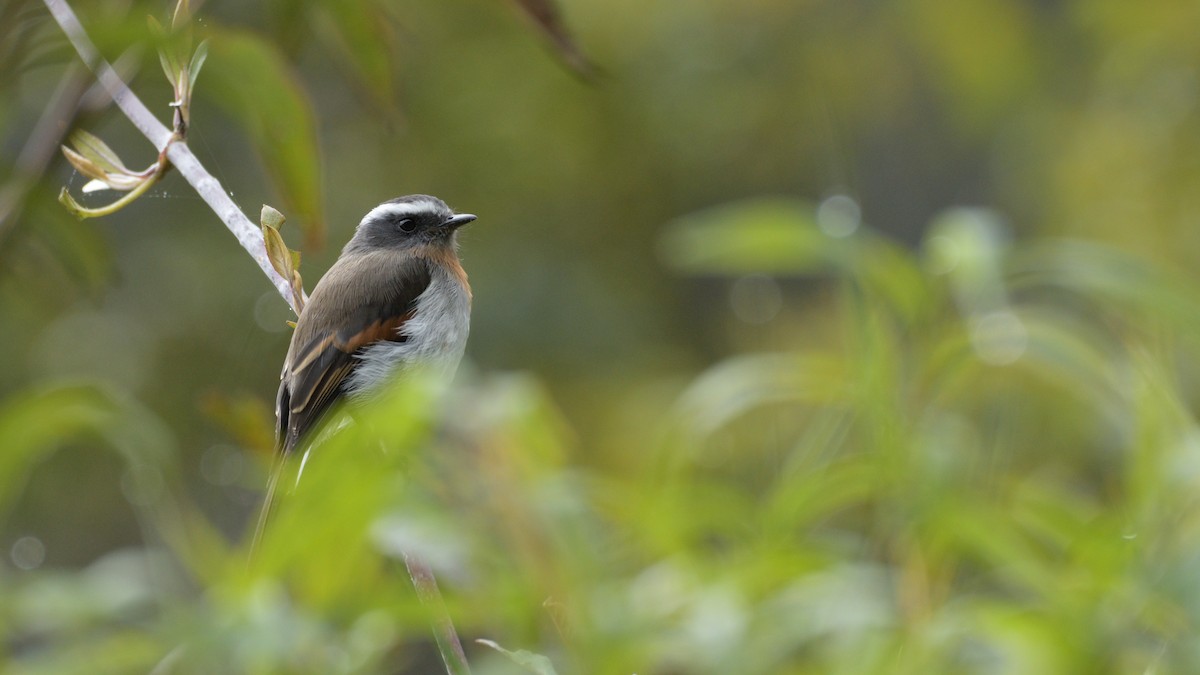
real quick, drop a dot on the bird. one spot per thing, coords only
(397, 298)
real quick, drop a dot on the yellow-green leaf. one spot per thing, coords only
(89, 145)
(75, 208)
(197, 63)
(277, 252)
(271, 217)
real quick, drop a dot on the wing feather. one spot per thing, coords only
(374, 298)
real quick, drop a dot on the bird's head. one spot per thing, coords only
(408, 222)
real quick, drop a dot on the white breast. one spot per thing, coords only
(437, 337)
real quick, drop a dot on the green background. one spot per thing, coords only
(810, 336)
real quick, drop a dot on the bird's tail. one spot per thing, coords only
(268, 503)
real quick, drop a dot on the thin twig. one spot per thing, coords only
(443, 627)
(208, 187)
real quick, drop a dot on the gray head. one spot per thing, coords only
(405, 222)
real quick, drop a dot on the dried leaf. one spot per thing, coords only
(84, 165)
(297, 285)
(277, 252)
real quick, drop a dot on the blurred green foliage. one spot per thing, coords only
(810, 337)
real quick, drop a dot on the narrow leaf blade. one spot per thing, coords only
(89, 145)
(277, 252)
(197, 63)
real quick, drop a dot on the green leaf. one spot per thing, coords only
(764, 235)
(34, 423)
(90, 146)
(737, 385)
(166, 51)
(75, 208)
(534, 663)
(197, 63)
(271, 217)
(181, 15)
(255, 86)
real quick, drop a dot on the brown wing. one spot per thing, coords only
(374, 297)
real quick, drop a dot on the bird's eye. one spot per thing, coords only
(408, 225)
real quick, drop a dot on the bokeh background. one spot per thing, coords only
(810, 336)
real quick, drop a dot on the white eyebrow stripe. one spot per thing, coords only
(399, 210)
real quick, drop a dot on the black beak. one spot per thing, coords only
(455, 222)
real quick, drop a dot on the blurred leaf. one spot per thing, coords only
(777, 236)
(181, 15)
(1122, 284)
(969, 246)
(82, 251)
(34, 423)
(253, 84)
(329, 497)
(743, 383)
(534, 663)
(167, 49)
(783, 236)
(246, 418)
(545, 14)
(438, 544)
(360, 33)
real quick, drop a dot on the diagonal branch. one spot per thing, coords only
(208, 187)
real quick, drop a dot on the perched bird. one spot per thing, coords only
(396, 298)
